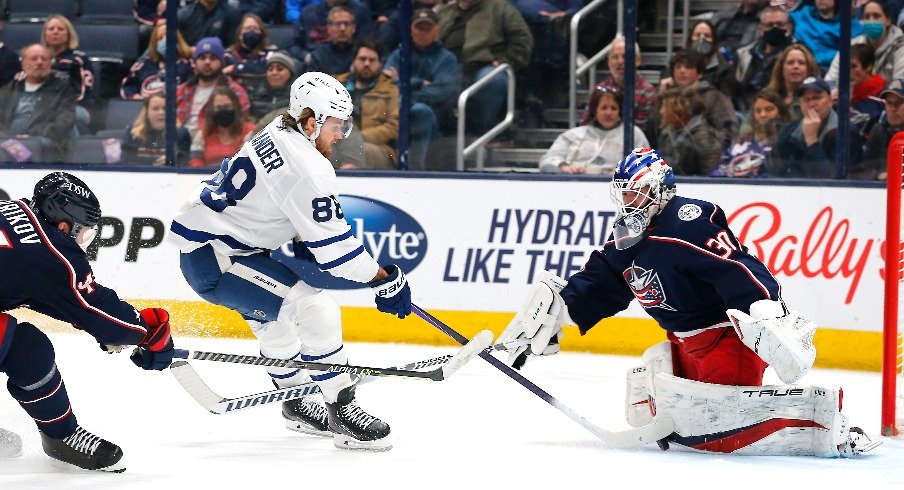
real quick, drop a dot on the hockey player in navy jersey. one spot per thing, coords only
(724, 318)
(281, 187)
(45, 269)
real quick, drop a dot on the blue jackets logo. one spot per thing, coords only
(390, 234)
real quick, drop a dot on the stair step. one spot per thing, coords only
(516, 155)
(537, 137)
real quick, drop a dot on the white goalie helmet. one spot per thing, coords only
(642, 185)
(325, 96)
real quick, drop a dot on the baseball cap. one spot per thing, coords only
(814, 83)
(424, 15)
(894, 87)
(211, 45)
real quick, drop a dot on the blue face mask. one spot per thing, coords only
(873, 30)
(161, 47)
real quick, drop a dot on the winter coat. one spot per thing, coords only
(889, 56)
(494, 31)
(590, 146)
(793, 158)
(377, 114)
(692, 150)
(54, 111)
(438, 65)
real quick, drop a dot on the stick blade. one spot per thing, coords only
(192, 383)
(472, 349)
(661, 427)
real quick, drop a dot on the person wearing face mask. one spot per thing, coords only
(886, 38)
(246, 59)
(192, 95)
(702, 41)
(148, 74)
(754, 61)
(222, 131)
(595, 147)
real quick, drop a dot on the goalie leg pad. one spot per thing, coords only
(639, 409)
(777, 420)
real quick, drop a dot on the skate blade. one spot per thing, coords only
(117, 467)
(873, 444)
(342, 441)
(306, 429)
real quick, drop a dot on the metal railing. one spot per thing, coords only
(479, 143)
(573, 70)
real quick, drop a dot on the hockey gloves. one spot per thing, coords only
(539, 321)
(392, 293)
(155, 352)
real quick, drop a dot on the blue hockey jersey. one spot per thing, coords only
(688, 270)
(45, 270)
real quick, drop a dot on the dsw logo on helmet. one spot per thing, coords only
(391, 235)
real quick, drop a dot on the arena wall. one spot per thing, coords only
(472, 244)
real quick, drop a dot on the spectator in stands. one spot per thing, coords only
(686, 140)
(435, 81)
(703, 40)
(376, 100)
(806, 146)
(59, 36)
(246, 59)
(223, 129)
(866, 106)
(388, 33)
(548, 22)
(312, 26)
(687, 68)
(754, 61)
(750, 154)
(147, 74)
(875, 157)
(817, 26)
(9, 64)
(294, 8)
(335, 56)
(269, 11)
(273, 94)
(484, 34)
(881, 34)
(144, 141)
(41, 104)
(737, 26)
(593, 148)
(147, 12)
(192, 95)
(208, 18)
(644, 91)
(793, 66)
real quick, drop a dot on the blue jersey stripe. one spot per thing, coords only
(204, 237)
(341, 260)
(317, 358)
(328, 241)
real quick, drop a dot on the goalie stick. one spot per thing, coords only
(470, 350)
(217, 404)
(660, 428)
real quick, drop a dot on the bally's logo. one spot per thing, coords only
(391, 236)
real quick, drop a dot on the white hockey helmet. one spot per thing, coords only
(325, 96)
(642, 185)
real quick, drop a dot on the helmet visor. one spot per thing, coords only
(632, 200)
(336, 125)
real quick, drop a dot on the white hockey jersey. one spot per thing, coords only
(278, 186)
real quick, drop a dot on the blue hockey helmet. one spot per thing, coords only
(642, 185)
(62, 197)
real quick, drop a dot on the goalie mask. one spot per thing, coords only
(64, 197)
(642, 185)
(326, 97)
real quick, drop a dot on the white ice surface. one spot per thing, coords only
(478, 429)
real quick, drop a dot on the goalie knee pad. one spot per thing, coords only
(639, 391)
(780, 420)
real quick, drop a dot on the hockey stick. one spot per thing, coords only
(470, 350)
(660, 428)
(214, 403)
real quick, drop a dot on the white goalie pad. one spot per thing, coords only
(639, 407)
(784, 341)
(540, 319)
(761, 420)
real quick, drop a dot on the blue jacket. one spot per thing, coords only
(312, 26)
(820, 35)
(332, 58)
(436, 64)
(793, 158)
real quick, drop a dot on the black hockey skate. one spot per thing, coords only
(85, 450)
(306, 415)
(353, 428)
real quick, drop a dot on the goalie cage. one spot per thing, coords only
(893, 328)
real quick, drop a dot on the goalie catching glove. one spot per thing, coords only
(540, 319)
(784, 340)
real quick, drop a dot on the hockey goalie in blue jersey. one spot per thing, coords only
(724, 318)
(44, 268)
(278, 188)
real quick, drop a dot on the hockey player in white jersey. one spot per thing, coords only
(281, 187)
